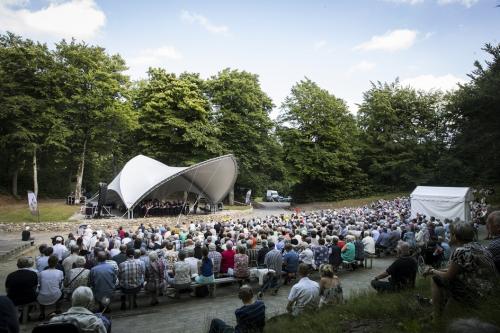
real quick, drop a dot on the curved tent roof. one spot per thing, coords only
(143, 177)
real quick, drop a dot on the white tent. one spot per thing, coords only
(441, 202)
(144, 178)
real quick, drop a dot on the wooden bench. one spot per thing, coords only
(212, 286)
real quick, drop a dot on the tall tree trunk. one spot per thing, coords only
(14, 182)
(79, 174)
(35, 174)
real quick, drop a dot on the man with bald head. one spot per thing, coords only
(493, 226)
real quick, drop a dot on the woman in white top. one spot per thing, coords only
(50, 292)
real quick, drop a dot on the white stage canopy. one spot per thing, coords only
(442, 202)
(145, 178)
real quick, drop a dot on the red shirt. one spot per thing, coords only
(341, 244)
(227, 260)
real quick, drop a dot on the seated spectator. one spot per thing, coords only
(42, 261)
(8, 316)
(409, 237)
(206, 268)
(493, 226)
(68, 262)
(180, 278)
(170, 256)
(383, 242)
(250, 318)
(349, 250)
(241, 270)
(154, 277)
(102, 279)
(81, 300)
(261, 255)
(335, 258)
(78, 276)
(26, 236)
(122, 256)
(304, 295)
(227, 258)
(470, 275)
(131, 276)
(51, 280)
(307, 255)
(290, 263)
(21, 285)
(59, 249)
(274, 261)
(368, 243)
(192, 262)
(216, 258)
(401, 272)
(320, 253)
(394, 237)
(330, 289)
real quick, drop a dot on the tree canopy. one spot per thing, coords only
(70, 117)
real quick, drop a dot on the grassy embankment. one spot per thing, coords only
(17, 211)
(369, 312)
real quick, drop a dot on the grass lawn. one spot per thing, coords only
(386, 313)
(351, 202)
(50, 211)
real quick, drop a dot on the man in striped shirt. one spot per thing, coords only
(274, 261)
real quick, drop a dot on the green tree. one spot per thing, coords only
(319, 138)
(175, 121)
(474, 113)
(92, 98)
(403, 135)
(245, 128)
(29, 122)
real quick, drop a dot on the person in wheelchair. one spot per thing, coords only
(81, 302)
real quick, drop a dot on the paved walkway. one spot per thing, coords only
(191, 314)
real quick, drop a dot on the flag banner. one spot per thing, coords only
(32, 203)
(247, 197)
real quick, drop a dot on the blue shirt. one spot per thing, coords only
(291, 261)
(102, 280)
(250, 318)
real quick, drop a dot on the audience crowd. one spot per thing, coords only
(167, 260)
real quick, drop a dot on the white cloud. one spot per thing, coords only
(363, 66)
(409, 2)
(204, 22)
(466, 3)
(390, 41)
(81, 19)
(430, 82)
(320, 44)
(159, 57)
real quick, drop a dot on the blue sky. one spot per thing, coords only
(342, 45)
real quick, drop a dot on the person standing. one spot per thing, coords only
(274, 261)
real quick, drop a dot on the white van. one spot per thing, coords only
(272, 195)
